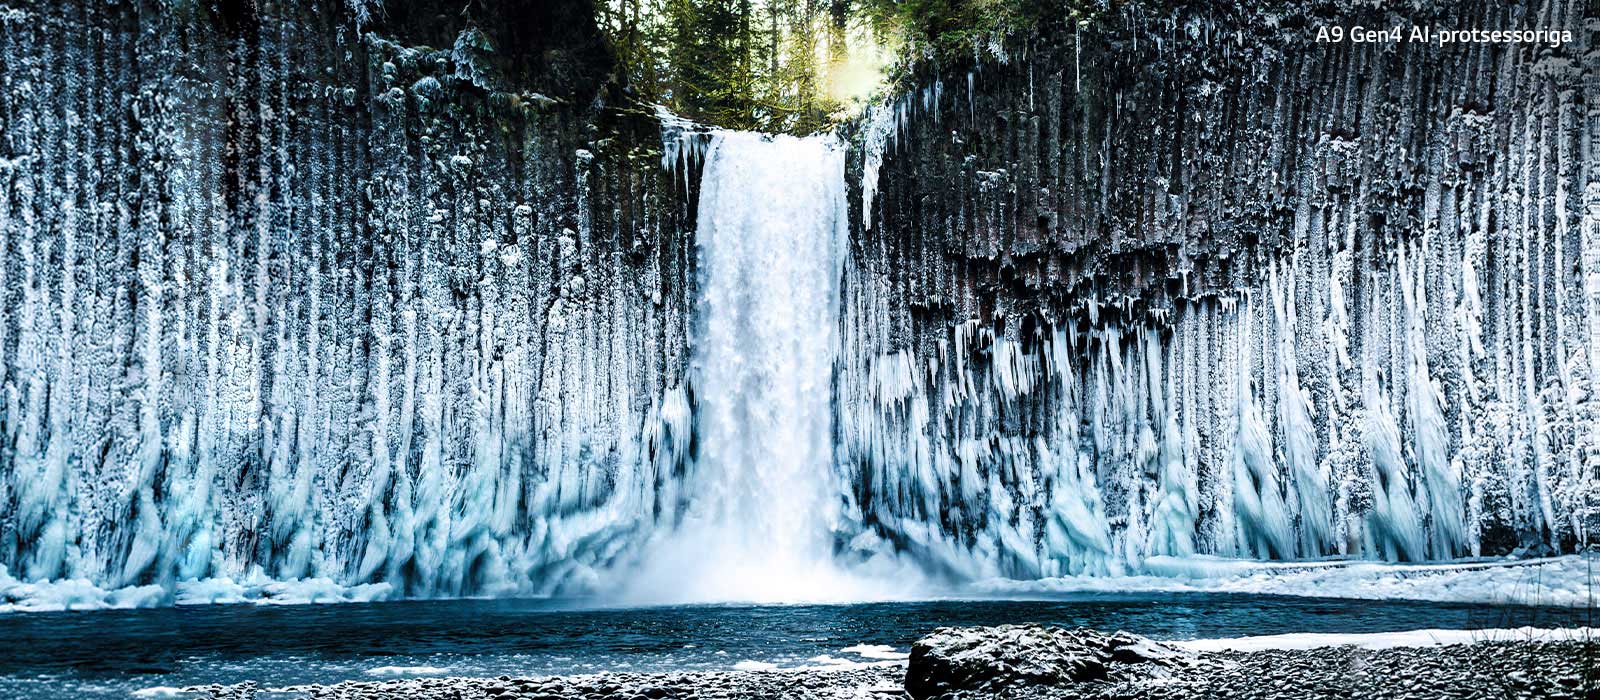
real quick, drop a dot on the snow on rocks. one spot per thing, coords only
(1128, 667)
(994, 658)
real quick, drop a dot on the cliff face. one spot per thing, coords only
(283, 291)
(1188, 281)
(287, 293)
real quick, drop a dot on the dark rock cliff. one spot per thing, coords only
(1185, 279)
(296, 287)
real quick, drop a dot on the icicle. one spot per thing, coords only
(1309, 483)
(1430, 438)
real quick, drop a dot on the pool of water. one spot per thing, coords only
(118, 653)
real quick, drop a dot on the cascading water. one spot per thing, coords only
(772, 231)
(771, 228)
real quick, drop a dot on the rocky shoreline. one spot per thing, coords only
(1037, 663)
(883, 680)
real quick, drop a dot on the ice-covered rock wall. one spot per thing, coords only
(392, 295)
(285, 295)
(1167, 282)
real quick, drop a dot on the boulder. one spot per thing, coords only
(989, 659)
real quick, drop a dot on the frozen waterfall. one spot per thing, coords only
(395, 329)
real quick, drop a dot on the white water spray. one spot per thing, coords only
(772, 231)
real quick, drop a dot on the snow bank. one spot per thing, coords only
(81, 594)
(257, 589)
(1389, 640)
(1569, 581)
(72, 594)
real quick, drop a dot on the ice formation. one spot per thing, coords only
(379, 350)
(1255, 314)
(394, 329)
(1567, 581)
(1391, 640)
(1167, 439)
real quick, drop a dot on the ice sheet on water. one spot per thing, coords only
(1390, 640)
(1568, 581)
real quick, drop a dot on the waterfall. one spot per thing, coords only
(771, 228)
(771, 236)
(302, 341)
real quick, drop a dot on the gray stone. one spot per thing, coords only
(992, 658)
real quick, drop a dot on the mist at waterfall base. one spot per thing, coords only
(760, 523)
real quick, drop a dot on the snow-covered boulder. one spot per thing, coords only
(988, 659)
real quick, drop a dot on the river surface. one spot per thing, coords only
(149, 652)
